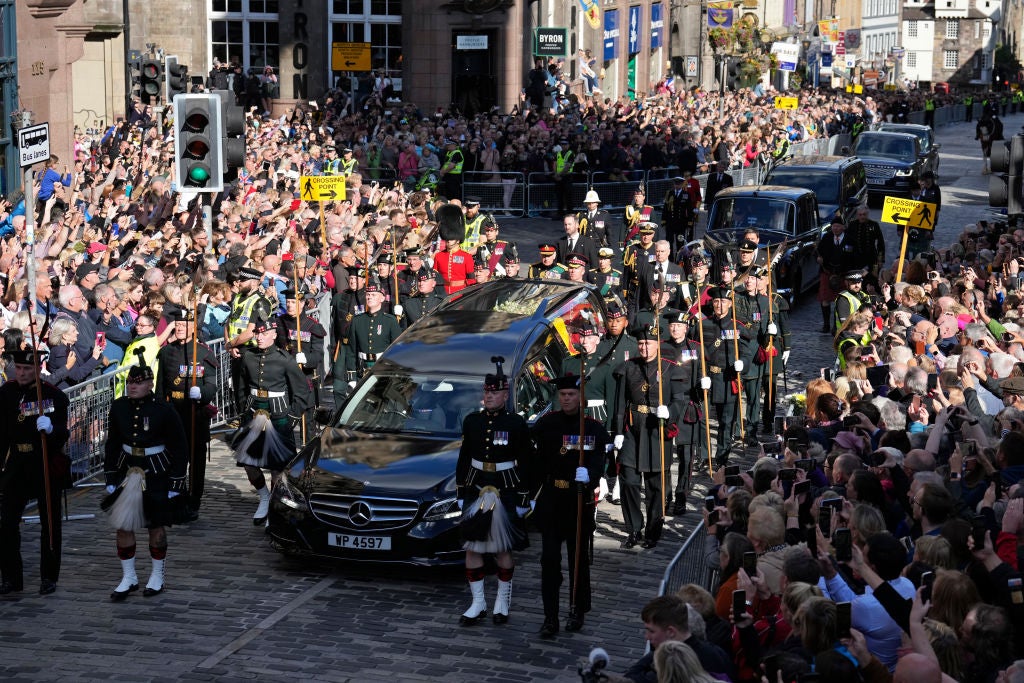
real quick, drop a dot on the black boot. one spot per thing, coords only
(549, 628)
(575, 621)
(826, 322)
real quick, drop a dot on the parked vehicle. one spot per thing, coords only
(787, 220)
(892, 162)
(925, 137)
(378, 485)
(838, 182)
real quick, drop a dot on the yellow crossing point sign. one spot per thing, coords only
(787, 102)
(322, 188)
(350, 56)
(909, 213)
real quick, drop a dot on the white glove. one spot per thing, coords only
(662, 413)
(44, 424)
(352, 384)
(460, 502)
(111, 488)
(785, 357)
(173, 494)
(617, 441)
(300, 358)
(773, 329)
(705, 383)
(398, 309)
(738, 366)
(522, 511)
(582, 475)
(195, 393)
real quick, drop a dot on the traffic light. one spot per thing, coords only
(151, 81)
(1004, 185)
(198, 144)
(732, 79)
(233, 130)
(135, 78)
(176, 76)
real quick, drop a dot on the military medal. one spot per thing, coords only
(145, 424)
(500, 439)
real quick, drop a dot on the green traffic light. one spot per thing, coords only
(197, 174)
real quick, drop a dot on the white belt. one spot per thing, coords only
(260, 393)
(492, 466)
(595, 403)
(138, 451)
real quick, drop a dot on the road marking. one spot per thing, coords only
(265, 625)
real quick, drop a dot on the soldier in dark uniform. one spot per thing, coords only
(344, 307)
(191, 399)
(588, 362)
(22, 478)
(371, 332)
(409, 277)
(145, 433)
(780, 336)
(677, 214)
(492, 467)
(303, 339)
(607, 279)
(562, 484)
(693, 294)
(492, 248)
(548, 266)
(648, 402)
(425, 299)
(747, 260)
(752, 314)
(509, 266)
(636, 259)
(723, 366)
(689, 439)
(277, 393)
(617, 347)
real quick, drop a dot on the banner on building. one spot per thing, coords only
(720, 14)
(611, 33)
(828, 30)
(592, 12)
(657, 25)
(634, 30)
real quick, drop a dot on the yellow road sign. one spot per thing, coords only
(787, 102)
(322, 188)
(909, 213)
(856, 89)
(350, 56)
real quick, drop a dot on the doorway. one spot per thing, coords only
(474, 85)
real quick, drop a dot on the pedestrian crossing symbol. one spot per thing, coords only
(909, 213)
(322, 188)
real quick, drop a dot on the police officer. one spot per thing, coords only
(850, 299)
(22, 477)
(146, 341)
(648, 400)
(371, 332)
(145, 433)
(474, 224)
(689, 438)
(565, 484)
(595, 223)
(277, 393)
(348, 162)
(332, 164)
(724, 367)
(493, 464)
(190, 387)
(451, 170)
(425, 299)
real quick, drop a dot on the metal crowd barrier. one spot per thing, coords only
(688, 566)
(507, 195)
(90, 409)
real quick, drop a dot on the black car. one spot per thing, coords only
(838, 183)
(892, 162)
(926, 140)
(786, 219)
(378, 484)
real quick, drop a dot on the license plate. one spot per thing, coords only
(359, 542)
(875, 181)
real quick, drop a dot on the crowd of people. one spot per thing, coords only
(305, 297)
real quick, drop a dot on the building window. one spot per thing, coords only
(912, 60)
(378, 22)
(986, 30)
(912, 29)
(986, 60)
(977, 30)
(245, 32)
(952, 28)
(950, 59)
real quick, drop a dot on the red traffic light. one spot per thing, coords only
(196, 120)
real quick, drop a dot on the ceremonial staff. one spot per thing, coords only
(298, 335)
(771, 337)
(580, 488)
(739, 379)
(703, 374)
(42, 435)
(661, 390)
(191, 403)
